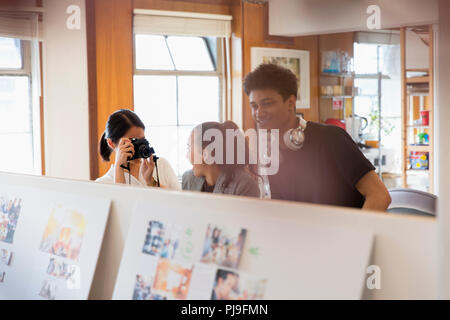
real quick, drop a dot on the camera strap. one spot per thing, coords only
(157, 172)
(128, 169)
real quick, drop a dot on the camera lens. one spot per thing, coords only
(145, 151)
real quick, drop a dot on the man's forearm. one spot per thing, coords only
(377, 202)
(375, 192)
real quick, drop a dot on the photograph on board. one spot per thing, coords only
(168, 241)
(162, 239)
(48, 290)
(9, 216)
(143, 289)
(61, 269)
(172, 279)
(232, 285)
(6, 257)
(64, 233)
(223, 246)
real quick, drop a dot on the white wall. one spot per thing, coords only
(443, 118)
(417, 53)
(306, 17)
(65, 93)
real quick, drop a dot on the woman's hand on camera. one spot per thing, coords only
(125, 151)
(146, 171)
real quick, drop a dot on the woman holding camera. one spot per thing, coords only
(122, 128)
(227, 178)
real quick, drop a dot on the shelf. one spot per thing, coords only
(367, 95)
(418, 172)
(416, 82)
(337, 75)
(371, 76)
(424, 79)
(343, 97)
(391, 175)
(418, 126)
(426, 148)
(418, 70)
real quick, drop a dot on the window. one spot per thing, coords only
(177, 85)
(371, 59)
(18, 140)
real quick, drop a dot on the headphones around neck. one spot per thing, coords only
(294, 138)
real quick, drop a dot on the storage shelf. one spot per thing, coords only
(418, 70)
(337, 75)
(371, 76)
(418, 94)
(418, 171)
(424, 79)
(425, 148)
(329, 97)
(417, 82)
(418, 126)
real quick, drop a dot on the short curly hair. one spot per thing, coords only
(271, 76)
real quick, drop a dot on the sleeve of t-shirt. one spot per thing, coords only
(348, 158)
(248, 188)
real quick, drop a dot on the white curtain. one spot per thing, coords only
(176, 23)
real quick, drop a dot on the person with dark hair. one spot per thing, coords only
(122, 126)
(328, 168)
(219, 176)
(224, 284)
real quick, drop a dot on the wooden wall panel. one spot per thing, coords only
(113, 67)
(253, 36)
(220, 7)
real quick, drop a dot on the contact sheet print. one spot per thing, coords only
(49, 243)
(166, 260)
(9, 217)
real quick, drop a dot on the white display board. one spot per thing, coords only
(405, 246)
(49, 243)
(173, 254)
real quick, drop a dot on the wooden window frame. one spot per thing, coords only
(26, 71)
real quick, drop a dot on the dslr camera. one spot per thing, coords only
(142, 149)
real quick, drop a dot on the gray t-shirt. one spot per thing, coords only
(241, 184)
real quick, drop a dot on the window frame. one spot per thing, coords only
(35, 123)
(219, 72)
(25, 54)
(370, 76)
